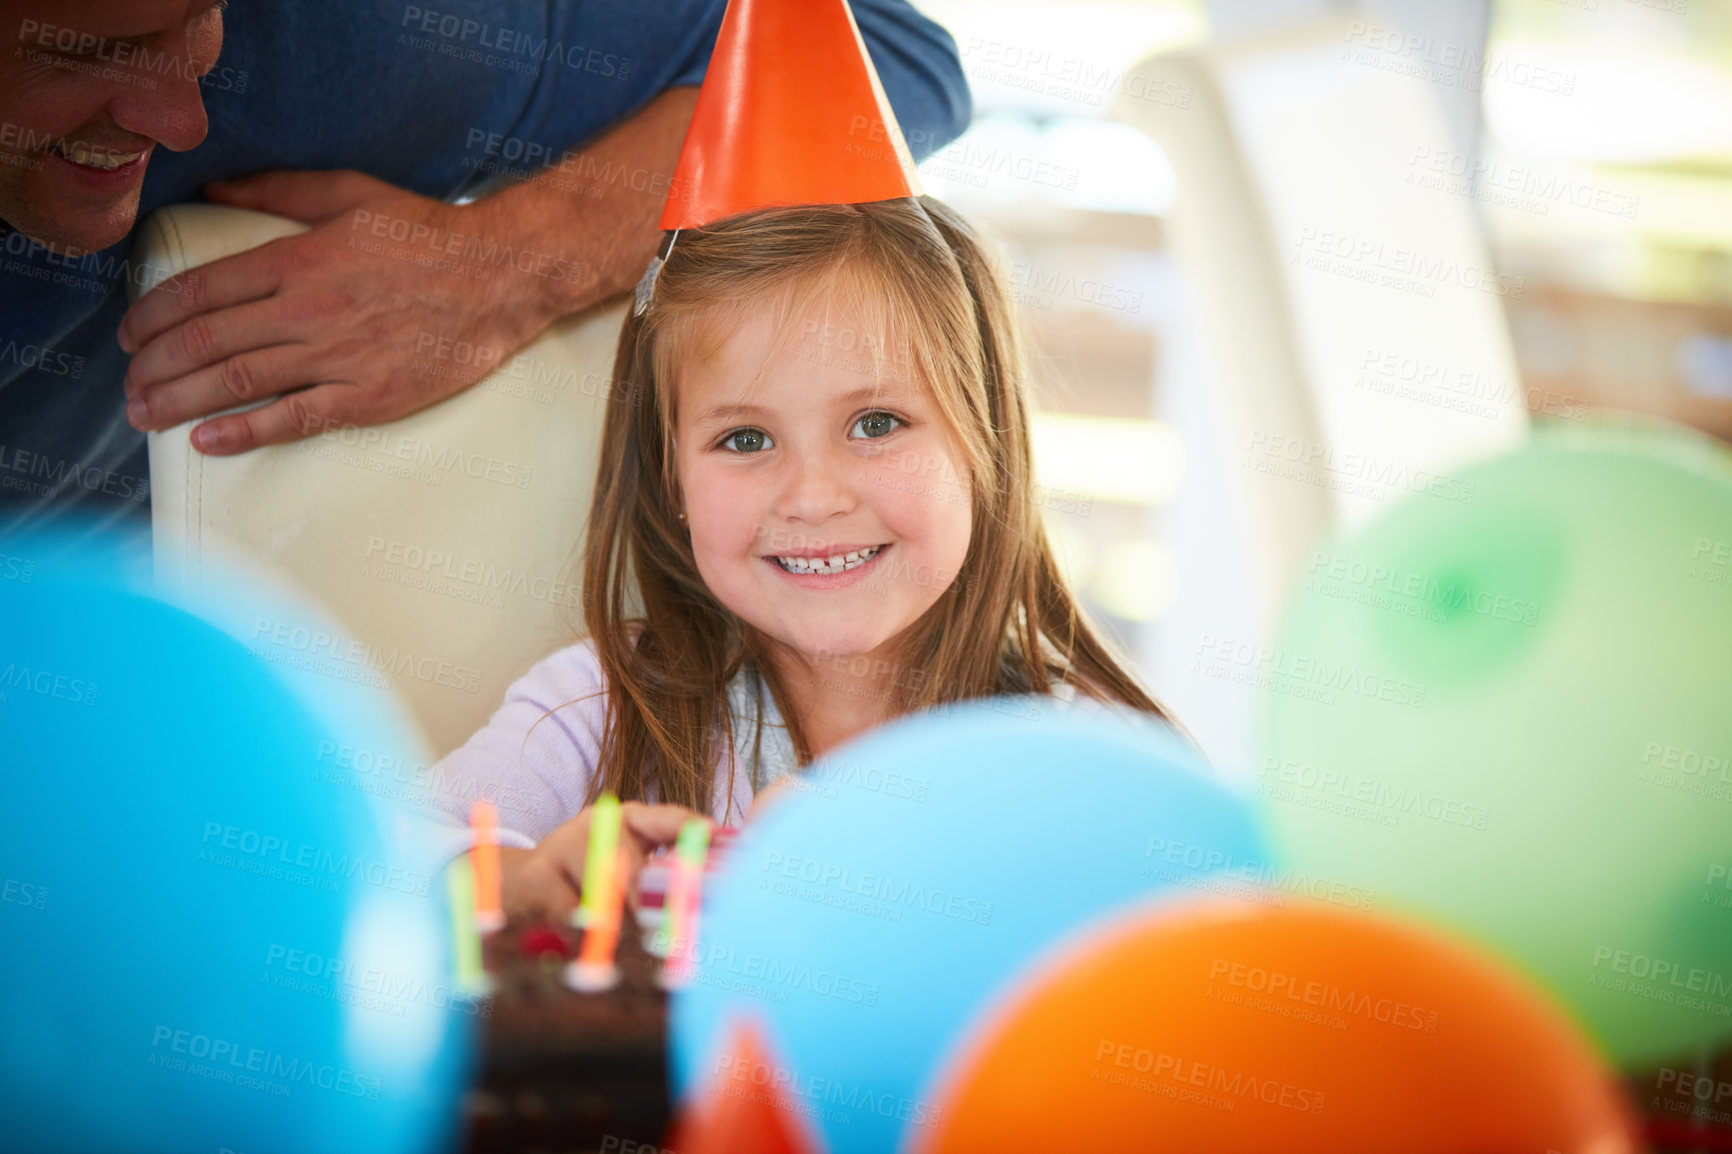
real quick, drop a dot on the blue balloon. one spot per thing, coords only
(211, 939)
(865, 919)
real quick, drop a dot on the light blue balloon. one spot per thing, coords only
(207, 944)
(864, 920)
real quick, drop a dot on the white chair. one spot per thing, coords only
(1349, 317)
(444, 543)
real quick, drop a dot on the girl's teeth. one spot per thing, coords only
(840, 563)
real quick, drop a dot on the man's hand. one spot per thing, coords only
(392, 301)
(336, 323)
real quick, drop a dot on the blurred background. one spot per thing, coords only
(1581, 149)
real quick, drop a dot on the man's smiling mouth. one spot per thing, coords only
(101, 159)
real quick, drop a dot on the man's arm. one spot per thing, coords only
(337, 322)
(918, 63)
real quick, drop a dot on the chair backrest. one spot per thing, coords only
(443, 542)
(1346, 312)
(1347, 298)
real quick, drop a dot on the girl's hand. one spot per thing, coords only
(544, 882)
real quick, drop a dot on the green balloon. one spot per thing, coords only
(1512, 714)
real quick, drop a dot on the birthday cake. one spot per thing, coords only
(569, 1067)
(563, 1070)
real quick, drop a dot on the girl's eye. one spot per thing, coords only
(877, 424)
(747, 440)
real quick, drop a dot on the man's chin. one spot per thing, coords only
(69, 223)
(92, 231)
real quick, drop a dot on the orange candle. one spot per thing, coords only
(484, 853)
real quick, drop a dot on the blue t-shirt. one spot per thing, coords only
(440, 97)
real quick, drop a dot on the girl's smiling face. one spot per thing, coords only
(828, 506)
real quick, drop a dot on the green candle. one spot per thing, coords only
(598, 863)
(466, 939)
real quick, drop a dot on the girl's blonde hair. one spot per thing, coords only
(916, 272)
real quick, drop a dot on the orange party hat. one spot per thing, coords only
(791, 112)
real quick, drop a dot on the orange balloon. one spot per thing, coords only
(1211, 1029)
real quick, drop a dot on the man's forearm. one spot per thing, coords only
(596, 208)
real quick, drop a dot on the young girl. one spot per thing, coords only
(814, 513)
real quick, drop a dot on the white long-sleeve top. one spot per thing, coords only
(537, 755)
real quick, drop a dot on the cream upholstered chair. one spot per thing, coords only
(443, 543)
(1346, 310)
(1348, 302)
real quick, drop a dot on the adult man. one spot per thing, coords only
(422, 104)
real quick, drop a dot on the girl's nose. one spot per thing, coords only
(821, 487)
